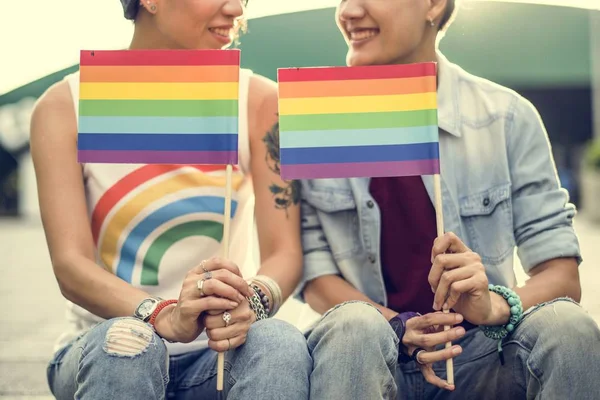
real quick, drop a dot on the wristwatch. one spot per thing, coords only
(146, 307)
(398, 324)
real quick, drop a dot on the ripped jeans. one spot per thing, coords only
(554, 353)
(123, 358)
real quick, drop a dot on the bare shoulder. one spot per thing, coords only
(53, 113)
(262, 95)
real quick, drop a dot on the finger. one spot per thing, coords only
(445, 262)
(429, 320)
(195, 307)
(430, 340)
(435, 380)
(243, 313)
(429, 357)
(216, 263)
(478, 281)
(222, 346)
(215, 287)
(223, 275)
(230, 332)
(447, 279)
(447, 243)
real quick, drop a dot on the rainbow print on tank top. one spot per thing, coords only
(145, 213)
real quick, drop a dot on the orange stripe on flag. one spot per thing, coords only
(359, 87)
(163, 73)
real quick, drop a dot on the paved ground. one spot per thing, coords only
(31, 311)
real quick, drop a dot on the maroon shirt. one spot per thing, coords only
(408, 229)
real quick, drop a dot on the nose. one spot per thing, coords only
(350, 10)
(234, 8)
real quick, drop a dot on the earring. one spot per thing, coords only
(431, 22)
(152, 6)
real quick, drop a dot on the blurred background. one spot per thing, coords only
(546, 51)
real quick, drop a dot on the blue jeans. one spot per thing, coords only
(123, 358)
(554, 353)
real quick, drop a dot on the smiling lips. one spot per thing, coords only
(359, 35)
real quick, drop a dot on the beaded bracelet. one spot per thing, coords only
(256, 306)
(499, 332)
(273, 289)
(264, 299)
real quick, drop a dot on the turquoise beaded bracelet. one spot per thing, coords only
(516, 313)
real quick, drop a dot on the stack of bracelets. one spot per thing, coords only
(259, 302)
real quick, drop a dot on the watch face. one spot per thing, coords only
(145, 307)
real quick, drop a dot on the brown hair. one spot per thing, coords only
(449, 15)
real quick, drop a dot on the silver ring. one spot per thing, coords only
(200, 284)
(226, 318)
(417, 357)
(202, 265)
(207, 275)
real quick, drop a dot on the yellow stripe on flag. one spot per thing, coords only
(357, 104)
(158, 91)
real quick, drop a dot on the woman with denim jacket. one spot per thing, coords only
(133, 246)
(376, 270)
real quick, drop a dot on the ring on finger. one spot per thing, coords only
(415, 355)
(226, 318)
(203, 265)
(208, 275)
(200, 284)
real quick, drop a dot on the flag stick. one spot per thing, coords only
(226, 223)
(439, 217)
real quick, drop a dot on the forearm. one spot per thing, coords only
(551, 280)
(328, 291)
(88, 285)
(285, 268)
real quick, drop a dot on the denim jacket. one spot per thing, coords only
(500, 190)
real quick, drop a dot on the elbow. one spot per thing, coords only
(309, 293)
(575, 290)
(63, 271)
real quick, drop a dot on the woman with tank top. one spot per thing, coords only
(134, 247)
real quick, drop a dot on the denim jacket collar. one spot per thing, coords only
(448, 105)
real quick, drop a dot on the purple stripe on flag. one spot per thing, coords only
(356, 170)
(158, 157)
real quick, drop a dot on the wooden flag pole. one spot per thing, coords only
(439, 217)
(226, 224)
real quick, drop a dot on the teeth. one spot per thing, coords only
(221, 31)
(364, 34)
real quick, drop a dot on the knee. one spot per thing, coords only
(276, 334)
(358, 321)
(131, 338)
(563, 323)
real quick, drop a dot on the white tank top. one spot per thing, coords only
(152, 223)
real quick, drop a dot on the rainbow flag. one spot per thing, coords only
(368, 121)
(159, 106)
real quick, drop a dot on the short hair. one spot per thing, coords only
(449, 15)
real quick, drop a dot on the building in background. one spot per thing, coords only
(546, 53)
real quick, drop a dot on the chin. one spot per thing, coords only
(354, 59)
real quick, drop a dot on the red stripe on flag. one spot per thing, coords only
(160, 57)
(362, 72)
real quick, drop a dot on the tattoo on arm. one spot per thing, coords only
(287, 194)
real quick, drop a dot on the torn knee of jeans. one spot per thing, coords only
(128, 337)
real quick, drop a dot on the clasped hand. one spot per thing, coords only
(223, 289)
